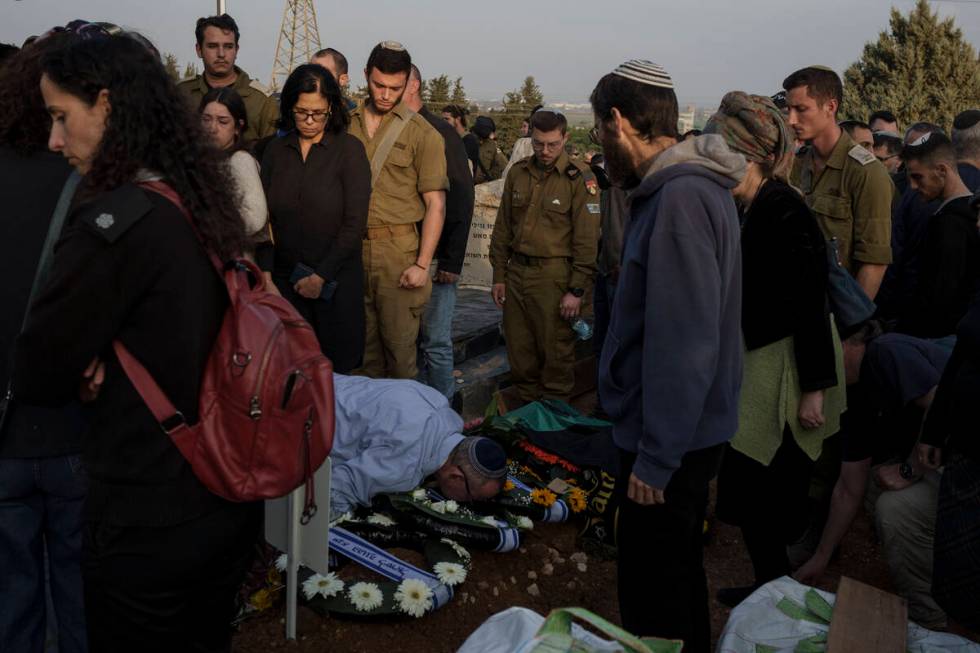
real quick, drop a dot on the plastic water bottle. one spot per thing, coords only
(582, 329)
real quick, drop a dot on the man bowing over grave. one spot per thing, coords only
(392, 435)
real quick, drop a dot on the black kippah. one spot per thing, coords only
(966, 119)
(486, 456)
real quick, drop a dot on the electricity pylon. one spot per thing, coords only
(299, 39)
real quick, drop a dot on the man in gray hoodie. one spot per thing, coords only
(671, 367)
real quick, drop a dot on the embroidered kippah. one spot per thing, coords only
(392, 45)
(644, 72)
(921, 140)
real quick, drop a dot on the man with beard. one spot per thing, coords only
(543, 253)
(671, 365)
(217, 46)
(844, 185)
(408, 187)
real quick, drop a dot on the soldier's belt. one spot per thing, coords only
(537, 261)
(389, 231)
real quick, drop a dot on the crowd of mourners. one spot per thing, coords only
(783, 301)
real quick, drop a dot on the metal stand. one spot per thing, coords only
(304, 544)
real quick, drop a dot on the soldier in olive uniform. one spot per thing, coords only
(543, 252)
(491, 163)
(844, 185)
(217, 46)
(405, 217)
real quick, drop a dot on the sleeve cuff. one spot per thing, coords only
(652, 473)
(429, 184)
(872, 254)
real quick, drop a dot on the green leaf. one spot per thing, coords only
(818, 605)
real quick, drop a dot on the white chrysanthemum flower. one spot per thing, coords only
(525, 523)
(490, 521)
(420, 494)
(325, 586)
(347, 516)
(451, 506)
(439, 507)
(450, 573)
(460, 551)
(365, 596)
(380, 520)
(414, 597)
(282, 562)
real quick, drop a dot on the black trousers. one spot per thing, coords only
(768, 502)
(170, 588)
(339, 323)
(663, 591)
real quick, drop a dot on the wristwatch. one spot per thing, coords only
(578, 292)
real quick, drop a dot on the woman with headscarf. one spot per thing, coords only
(793, 384)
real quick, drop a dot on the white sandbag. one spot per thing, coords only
(757, 620)
(513, 629)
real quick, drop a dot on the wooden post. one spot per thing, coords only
(867, 619)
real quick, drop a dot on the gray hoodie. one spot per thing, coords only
(671, 366)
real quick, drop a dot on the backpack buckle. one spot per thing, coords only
(173, 423)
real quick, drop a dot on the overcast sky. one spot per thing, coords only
(708, 46)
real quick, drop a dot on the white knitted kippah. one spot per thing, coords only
(645, 72)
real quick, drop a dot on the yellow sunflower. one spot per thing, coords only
(543, 497)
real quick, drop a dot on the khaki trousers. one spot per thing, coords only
(906, 524)
(392, 314)
(540, 344)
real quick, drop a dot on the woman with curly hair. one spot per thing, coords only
(162, 556)
(42, 481)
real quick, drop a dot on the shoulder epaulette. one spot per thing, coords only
(115, 213)
(861, 155)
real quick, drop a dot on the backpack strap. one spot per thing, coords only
(384, 147)
(167, 191)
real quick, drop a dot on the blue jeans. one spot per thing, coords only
(436, 369)
(41, 510)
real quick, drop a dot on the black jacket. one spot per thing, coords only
(128, 267)
(459, 198)
(29, 190)
(952, 420)
(949, 271)
(784, 282)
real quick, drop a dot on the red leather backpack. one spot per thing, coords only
(266, 404)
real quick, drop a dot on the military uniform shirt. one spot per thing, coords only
(492, 160)
(548, 213)
(415, 165)
(851, 199)
(262, 111)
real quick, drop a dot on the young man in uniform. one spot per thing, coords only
(408, 187)
(844, 185)
(217, 46)
(336, 63)
(543, 253)
(437, 342)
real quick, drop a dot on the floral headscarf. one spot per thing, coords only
(752, 126)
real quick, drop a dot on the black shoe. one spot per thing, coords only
(732, 596)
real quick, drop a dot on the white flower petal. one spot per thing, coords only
(460, 551)
(365, 596)
(450, 573)
(525, 523)
(420, 494)
(329, 585)
(380, 520)
(282, 562)
(490, 521)
(414, 597)
(451, 506)
(439, 507)
(311, 586)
